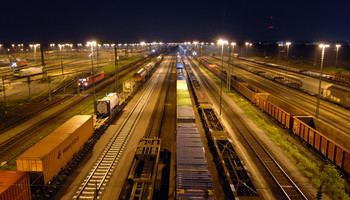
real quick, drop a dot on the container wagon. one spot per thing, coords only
(28, 71)
(49, 155)
(107, 105)
(129, 86)
(14, 185)
(143, 172)
(193, 179)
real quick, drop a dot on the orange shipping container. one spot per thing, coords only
(14, 185)
(53, 152)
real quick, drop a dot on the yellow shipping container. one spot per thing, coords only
(53, 152)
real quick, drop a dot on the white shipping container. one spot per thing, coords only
(107, 104)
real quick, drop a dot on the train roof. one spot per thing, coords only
(47, 144)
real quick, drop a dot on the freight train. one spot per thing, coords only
(237, 184)
(42, 167)
(337, 77)
(193, 180)
(329, 91)
(141, 75)
(28, 72)
(328, 141)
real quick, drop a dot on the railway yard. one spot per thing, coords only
(165, 123)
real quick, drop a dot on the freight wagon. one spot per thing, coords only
(193, 180)
(330, 142)
(278, 109)
(140, 75)
(129, 86)
(107, 105)
(28, 71)
(342, 78)
(141, 180)
(47, 157)
(14, 185)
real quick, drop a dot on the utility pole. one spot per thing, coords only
(43, 60)
(228, 74)
(319, 85)
(28, 81)
(93, 80)
(49, 81)
(4, 90)
(62, 65)
(116, 67)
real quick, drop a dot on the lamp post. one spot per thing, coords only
(222, 43)
(36, 61)
(202, 43)
(323, 46)
(142, 44)
(336, 57)
(92, 44)
(288, 43)
(246, 48)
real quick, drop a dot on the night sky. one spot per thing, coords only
(174, 21)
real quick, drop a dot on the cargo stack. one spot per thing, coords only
(52, 153)
(14, 185)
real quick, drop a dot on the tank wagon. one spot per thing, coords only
(107, 105)
(146, 70)
(47, 157)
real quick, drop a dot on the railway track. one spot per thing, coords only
(300, 100)
(98, 177)
(158, 114)
(30, 132)
(10, 123)
(287, 186)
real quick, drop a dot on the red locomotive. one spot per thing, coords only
(87, 81)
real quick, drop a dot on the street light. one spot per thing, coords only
(336, 57)
(222, 43)
(323, 46)
(92, 44)
(288, 43)
(36, 45)
(142, 44)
